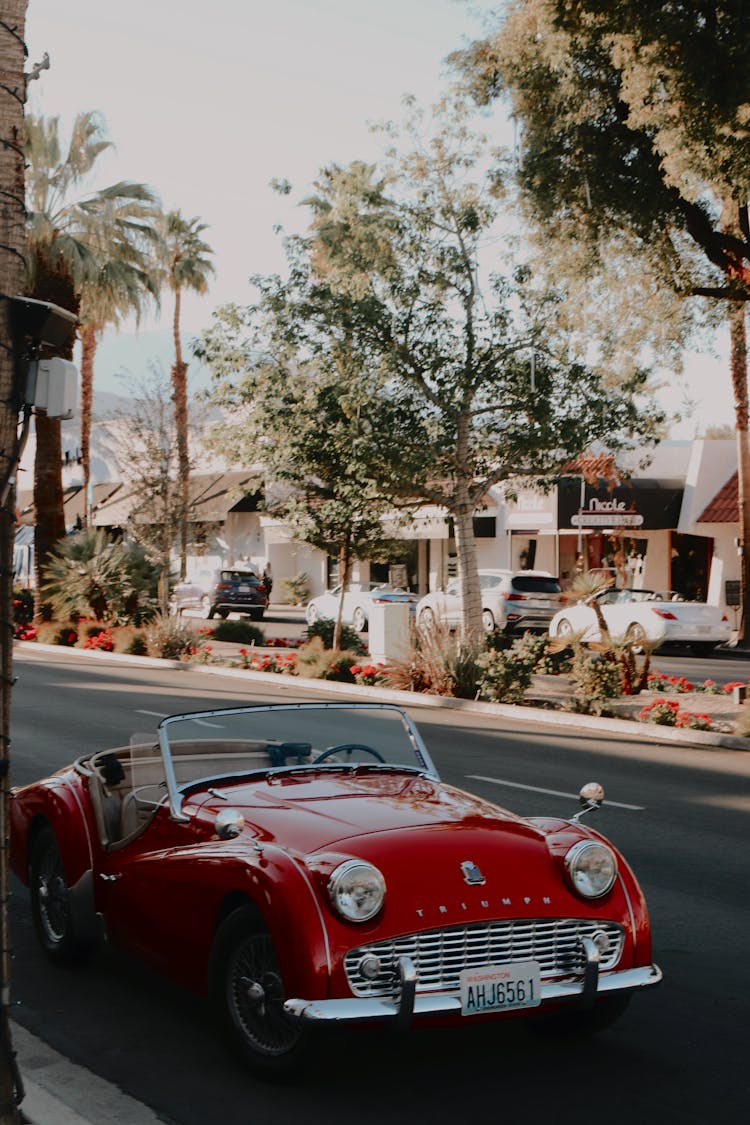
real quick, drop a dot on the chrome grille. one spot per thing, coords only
(441, 955)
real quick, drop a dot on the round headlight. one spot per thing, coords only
(357, 890)
(592, 868)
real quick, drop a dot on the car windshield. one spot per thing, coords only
(208, 745)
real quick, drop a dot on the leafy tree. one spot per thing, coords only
(310, 410)
(90, 573)
(71, 240)
(186, 265)
(635, 142)
(480, 362)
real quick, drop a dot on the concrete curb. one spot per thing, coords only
(650, 732)
(58, 1092)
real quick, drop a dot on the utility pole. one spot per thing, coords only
(12, 282)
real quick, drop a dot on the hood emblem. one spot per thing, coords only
(472, 875)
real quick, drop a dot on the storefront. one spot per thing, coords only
(627, 531)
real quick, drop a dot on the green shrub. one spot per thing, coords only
(23, 606)
(595, 680)
(534, 649)
(137, 645)
(91, 575)
(295, 590)
(504, 677)
(243, 632)
(324, 628)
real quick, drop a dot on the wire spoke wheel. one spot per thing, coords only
(50, 903)
(249, 993)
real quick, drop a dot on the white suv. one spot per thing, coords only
(513, 601)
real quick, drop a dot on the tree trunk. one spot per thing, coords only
(344, 563)
(88, 354)
(12, 242)
(468, 576)
(48, 496)
(53, 286)
(179, 398)
(738, 362)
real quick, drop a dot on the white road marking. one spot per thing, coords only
(164, 715)
(549, 792)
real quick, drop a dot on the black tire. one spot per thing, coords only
(50, 903)
(636, 636)
(427, 619)
(581, 1024)
(223, 614)
(247, 995)
(703, 648)
(359, 620)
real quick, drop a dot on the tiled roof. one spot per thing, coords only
(725, 506)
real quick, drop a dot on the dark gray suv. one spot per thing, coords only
(238, 591)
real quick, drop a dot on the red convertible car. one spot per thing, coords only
(304, 865)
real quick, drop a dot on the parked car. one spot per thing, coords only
(642, 616)
(238, 591)
(195, 592)
(304, 865)
(358, 598)
(511, 601)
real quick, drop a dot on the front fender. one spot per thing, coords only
(59, 801)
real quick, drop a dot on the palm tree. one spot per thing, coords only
(127, 277)
(67, 237)
(186, 265)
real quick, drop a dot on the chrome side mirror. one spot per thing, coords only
(228, 824)
(591, 797)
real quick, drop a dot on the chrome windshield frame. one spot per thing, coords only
(175, 790)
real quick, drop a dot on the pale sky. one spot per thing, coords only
(210, 102)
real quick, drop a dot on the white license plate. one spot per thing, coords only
(500, 988)
(244, 589)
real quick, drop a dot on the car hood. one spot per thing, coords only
(447, 856)
(307, 814)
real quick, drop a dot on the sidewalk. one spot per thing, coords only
(57, 1092)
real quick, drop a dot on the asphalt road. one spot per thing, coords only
(678, 1055)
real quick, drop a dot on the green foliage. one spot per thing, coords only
(395, 375)
(295, 590)
(137, 646)
(504, 676)
(324, 629)
(595, 680)
(23, 606)
(93, 575)
(320, 663)
(240, 631)
(534, 649)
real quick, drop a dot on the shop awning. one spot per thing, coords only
(725, 506)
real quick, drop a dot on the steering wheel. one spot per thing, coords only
(348, 748)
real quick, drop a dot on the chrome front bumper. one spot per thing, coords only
(400, 1010)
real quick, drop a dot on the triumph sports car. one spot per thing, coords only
(303, 865)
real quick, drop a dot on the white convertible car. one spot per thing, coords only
(645, 616)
